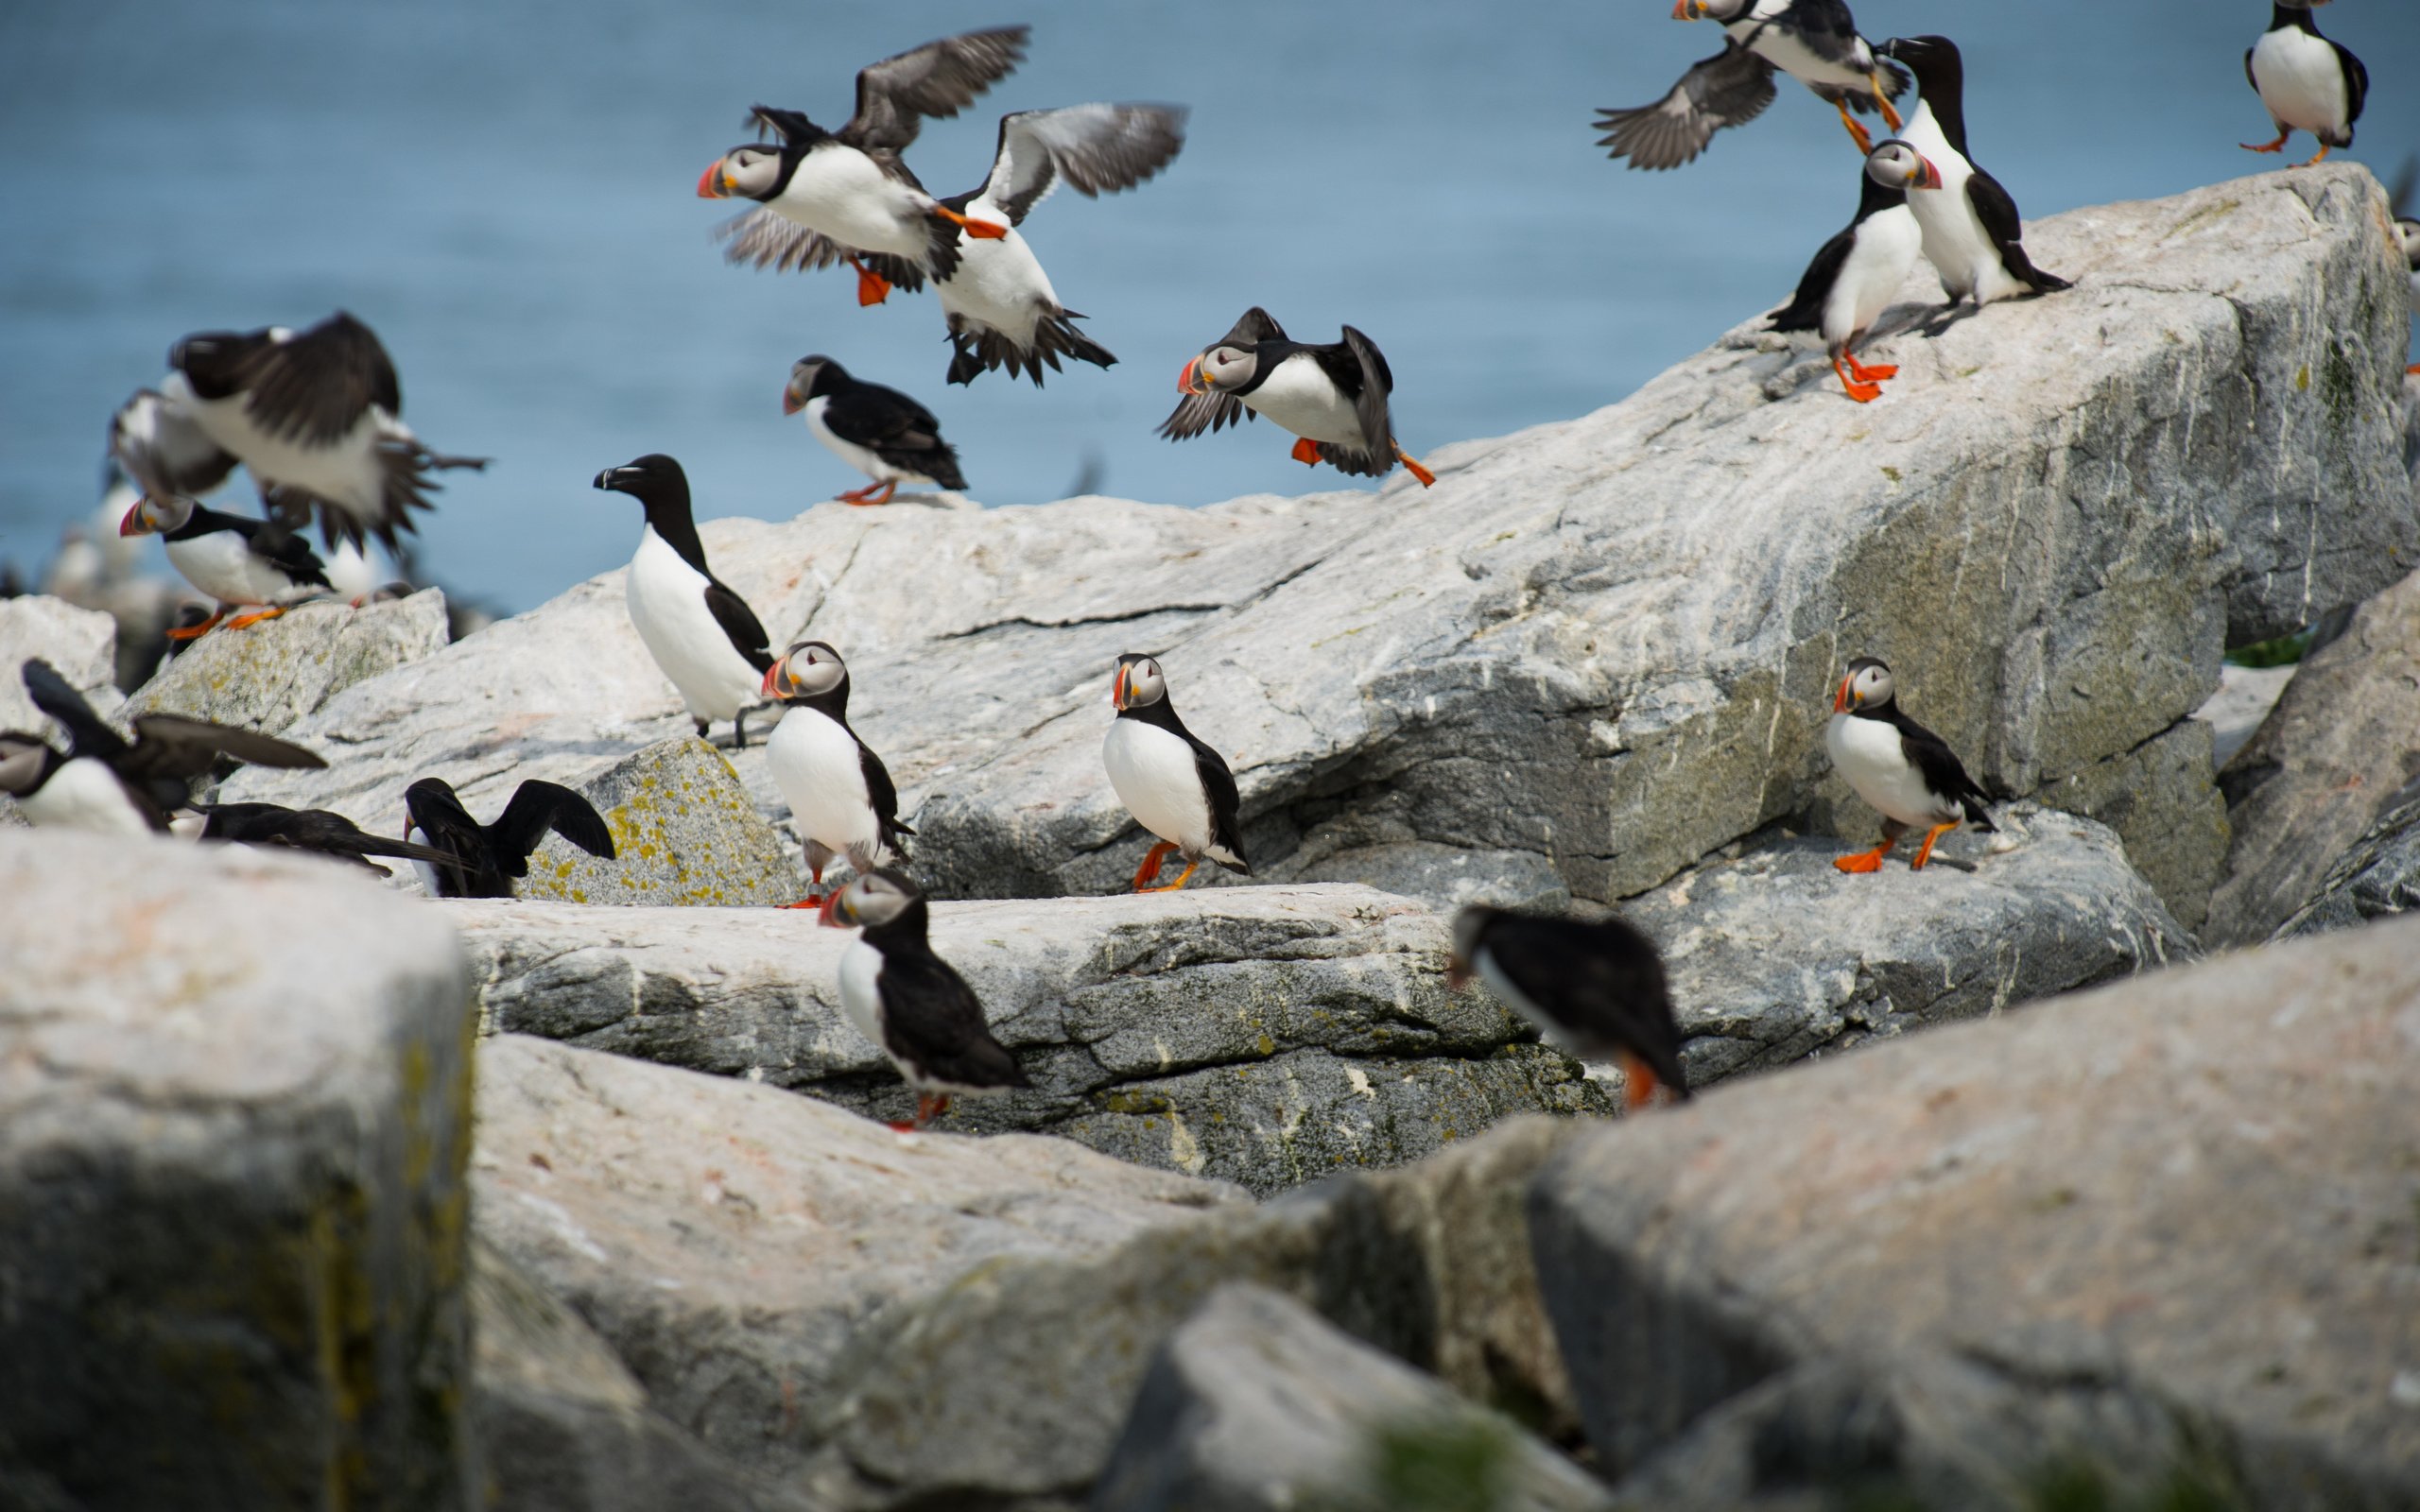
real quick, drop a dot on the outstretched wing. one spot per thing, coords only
(163, 450)
(1729, 89)
(938, 79)
(88, 734)
(763, 238)
(312, 388)
(538, 807)
(174, 747)
(1377, 429)
(1096, 148)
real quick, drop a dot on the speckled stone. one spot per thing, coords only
(271, 675)
(685, 835)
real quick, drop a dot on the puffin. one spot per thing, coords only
(881, 431)
(1594, 988)
(1002, 310)
(239, 563)
(317, 830)
(1899, 765)
(912, 1005)
(840, 794)
(704, 637)
(2308, 82)
(2407, 231)
(1850, 282)
(163, 450)
(467, 859)
(826, 197)
(1174, 784)
(114, 785)
(1815, 41)
(317, 417)
(1333, 397)
(1973, 235)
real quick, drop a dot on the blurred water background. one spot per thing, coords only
(505, 190)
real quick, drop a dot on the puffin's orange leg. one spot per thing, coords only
(980, 230)
(1306, 452)
(1869, 860)
(1889, 116)
(2409, 371)
(1881, 372)
(873, 288)
(930, 1106)
(187, 632)
(854, 495)
(2278, 145)
(1864, 393)
(1864, 139)
(1930, 836)
(1181, 878)
(872, 495)
(2314, 163)
(1638, 1083)
(253, 618)
(1149, 870)
(1428, 479)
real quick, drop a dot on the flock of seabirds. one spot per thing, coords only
(315, 418)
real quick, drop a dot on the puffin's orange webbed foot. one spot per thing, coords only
(187, 632)
(1181, 878)
(2278, 145)
(1428, 479)
(240, 621)
(1306, 452)
(1149, 870)
(2315, 162)
(980, 230)
(1864, 860)
(1881, 372)
(873, 288)
(1864, 393)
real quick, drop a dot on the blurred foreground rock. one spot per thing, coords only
(80, 643)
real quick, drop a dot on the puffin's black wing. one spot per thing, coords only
(536, 808)
(467, 865)
(315, 829)
(291, 553)
(1097, 148)
(1213, 410)
(173, 746)
(1732, 87)
(1371, 383)
(1600, 981)
(896, 428)
(761, 238)
(1997, 212)
(881, 794)
(88, 733)
(312, 388)
(2356, 82)
(938, 79)
(2249, 76)
(739, 622)
(163, 450)
(1943, 772)
(1804, 311)
(934, 1023)
(1226, 804)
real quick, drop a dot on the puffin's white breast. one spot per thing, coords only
(864, 459)
(1300, 396)
(85, 795)
(1870, 754)
(1879, 260)
(2302, 81)
(1156, 777)
(999, 284)
(222, 566)
(841, 192)
(667, 604)
(816, 764)
(861, 997)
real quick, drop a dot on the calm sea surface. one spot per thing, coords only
(504, 189)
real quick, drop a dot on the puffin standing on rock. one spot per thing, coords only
(704, 636)
(1172, 784)
(241, 563)
(1597, 989)
(1899, 765)
(1815, 41)
(1973, 235)
(840, 794)
(1333, 396)
(1852, 278)
(881, 431)
(467, 859)
(912, 1005)
(2306, 82)
(846, 195)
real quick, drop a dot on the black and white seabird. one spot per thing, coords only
(472, 859)
(703, 635)
(1850, 282)
(1333, 396)
(881, 431)
(2308, 82)
(1001, 307)
(1973, 235)
(2407, 231)
(163, 447)
(1899, 765)
(841, 800)
(826, 197)
(114, 785)
(317, 830)
(912, 1005)
(1174, 784)
(317, 417)
(242, 564)
(1815, 41)
(1594, 988)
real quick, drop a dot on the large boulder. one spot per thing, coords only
(1599, 650)
(2323, 768)
(234, 1122)
(271, 675)
(2376, 877)
(80, 643)
(2192, 1199)
(685, 835)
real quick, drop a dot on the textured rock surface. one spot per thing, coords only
(2342, 740)
(730, 1241)
(1603, 648)
(1256, 1404)
(271, 675)
(2378, 877)
(2209, 1177)
(685, 835)
(80, 643)
(234, 1117)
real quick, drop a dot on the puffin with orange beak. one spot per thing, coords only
(912, 1005)
(1333, 396)
(1815, 41)
(842, 802)
(1174, 784)
(829, 197)
(881, 431)
(1853, 276)
(1899, 765)
(1596, 989)
(242, 564)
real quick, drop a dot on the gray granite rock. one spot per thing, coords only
(2377, 878)
(234, 1119)
(2202, 1187)
(2237, 711)
(1256, 1404)
(1605, 647)
(271, 675)
(80, 643)
(685, 835)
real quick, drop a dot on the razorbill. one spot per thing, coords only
(704, 636)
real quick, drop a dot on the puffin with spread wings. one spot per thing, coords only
(1815, 41)
(1333, 396)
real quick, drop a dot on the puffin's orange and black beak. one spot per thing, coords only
(711, 185)
(1190, 381)
(1684, 10)
(770, 687)
(132, 523)
(1841, 699)
(1930, 178)
(1117, 691)
(792, 403)
(830, 915)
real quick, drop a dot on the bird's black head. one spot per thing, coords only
(1932, 60)
(1470, 928)
(879, 900)
(1140, 683)
(812, 377)
(654, 479)
(431, 798)
(214, 361)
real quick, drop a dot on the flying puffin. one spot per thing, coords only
(1176, 787)
(1973, 235)
(881, 431)
(237, 562)
(1815, 41)
(703, 635)
(1897, 766)
(1001, 307)
(1597, 989)
(830, 196)
(317, 417)
(912, 1005)
(109, 784)
(2308, 82)
(1850, 282)
(317, 830)
(1333, 397)
(467, 859)
(840, 794)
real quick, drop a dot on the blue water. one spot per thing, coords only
(504, 189)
